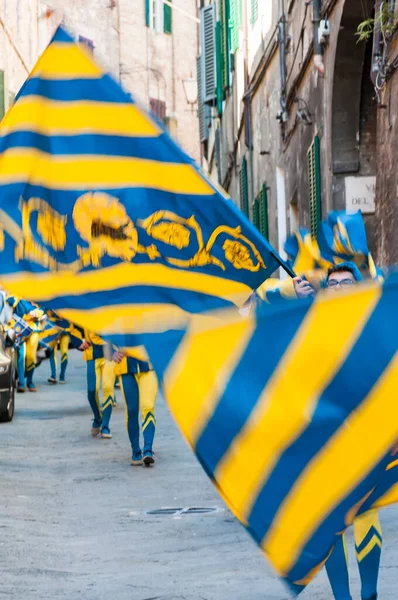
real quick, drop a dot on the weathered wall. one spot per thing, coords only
(339, 104)
(18, 42)
(387, 172)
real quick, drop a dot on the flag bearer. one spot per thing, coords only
(100, 370)
(367, 529)
(63, 345)
(33, 316)
(139, 386)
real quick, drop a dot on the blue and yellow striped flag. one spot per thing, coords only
(292, 412)
(103, 218)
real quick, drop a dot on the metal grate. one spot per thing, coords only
(314, 185)
(196, 510)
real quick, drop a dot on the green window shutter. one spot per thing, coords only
(208, 42)
(201, 115)
(217, 144)
(254, 15)
(235, 22)
(256, 213)
(167, 20)
(219, 62)
(224, 17)
(263, 211)
(2, 96)
(147, 13)
(314, 184)
(243, 188)
(204, 110)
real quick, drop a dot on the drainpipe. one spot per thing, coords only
(282, 61)
(247, 99)
(318, 53)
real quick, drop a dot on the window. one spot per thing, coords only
(254, 11)
(208, 43)
(260, 211)
(235, 22)
(88, 43)
(158, 15)
(158, 108)
(314, 184)
(243, 188)
(222, 54)
(204, 110)
(167, 18)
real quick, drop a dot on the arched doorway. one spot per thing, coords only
(354, 118)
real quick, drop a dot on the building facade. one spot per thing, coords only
(150, 46)
(293, 123)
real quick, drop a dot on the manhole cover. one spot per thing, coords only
(196, 510)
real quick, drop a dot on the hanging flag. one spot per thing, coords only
(292, 414)
(342, 237)
(103, 217)
(49, 336)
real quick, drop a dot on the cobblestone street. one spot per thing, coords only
(73, 522)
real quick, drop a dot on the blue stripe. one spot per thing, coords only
(193, 302)
(241, 394)
(94, 145)
(62, 36)
(72, 90)
(357, 376)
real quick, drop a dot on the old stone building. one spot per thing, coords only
(291, 123)
(150, 46)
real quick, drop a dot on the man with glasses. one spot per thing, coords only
(343, 276)
(367, 529)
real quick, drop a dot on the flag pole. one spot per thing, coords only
(282, 263)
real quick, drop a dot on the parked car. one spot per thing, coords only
(7, 374)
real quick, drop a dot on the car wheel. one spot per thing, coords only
(8, 415)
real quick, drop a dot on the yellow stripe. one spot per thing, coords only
(50, 117)
(128, 318)
(291, 395)
(150, 420)
(210, 365)
(66, 61)
(368, 548)
(392, 464)
(107, 404)
(50, 285)
(364, 523)
(91, 172)
(358, 445)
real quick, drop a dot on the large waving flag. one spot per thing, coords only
(293, 415)
(104, 219)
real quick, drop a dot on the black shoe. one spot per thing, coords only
(148, 458)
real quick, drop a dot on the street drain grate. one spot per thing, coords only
(178, 512)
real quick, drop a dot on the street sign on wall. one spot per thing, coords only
(360, 194)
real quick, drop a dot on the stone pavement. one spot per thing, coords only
(74, 522)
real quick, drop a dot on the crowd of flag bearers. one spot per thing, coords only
(127, 235)
(107, 365)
